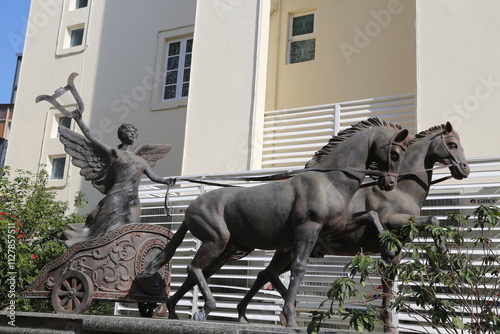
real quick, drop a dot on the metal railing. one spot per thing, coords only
(233, 280)
(291, 136)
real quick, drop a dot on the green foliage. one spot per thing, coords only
(451, 284)
(31, 223)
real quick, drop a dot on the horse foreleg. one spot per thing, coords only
(279, 264)
(372, 218)
(397, 220)
(305, 237)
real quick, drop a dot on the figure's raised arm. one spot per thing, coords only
(88, 134)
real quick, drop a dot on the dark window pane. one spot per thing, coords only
(189, 46)
(174, 48)
(169, 92)
(187, 61)
(81, 3)
(171, 78)
(187, 74)
(173, 63)
(185, 89)
(302, 51)
(65, 121)
(76, 37)
(303, 25)
(57, 171)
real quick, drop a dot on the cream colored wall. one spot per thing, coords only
(363, 49)
(117, 70)
(227, 85)
(459, 70)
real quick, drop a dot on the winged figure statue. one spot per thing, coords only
(114, 171)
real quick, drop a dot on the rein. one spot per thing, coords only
(279, 176)
(289, 174)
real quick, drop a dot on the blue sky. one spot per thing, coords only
(13, 19)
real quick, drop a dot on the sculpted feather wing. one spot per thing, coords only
(152, 152)
(92, 160)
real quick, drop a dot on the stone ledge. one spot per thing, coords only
(42, 323)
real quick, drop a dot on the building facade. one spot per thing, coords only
(246, 59)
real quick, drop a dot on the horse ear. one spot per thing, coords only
(449, 127)
(402, 136)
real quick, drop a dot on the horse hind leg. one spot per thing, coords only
(189, 283)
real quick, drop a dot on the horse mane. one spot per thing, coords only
(347, 133)
(425, 133)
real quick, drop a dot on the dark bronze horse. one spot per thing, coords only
(395, 208)
(288, 214)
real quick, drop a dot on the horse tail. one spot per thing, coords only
(168, 252)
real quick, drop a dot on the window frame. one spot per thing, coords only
(158, 103)
(299, 38)
(71, 32)
(52, 160)
(72, 19)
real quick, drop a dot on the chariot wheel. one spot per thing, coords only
(147, 310)
(72, 293)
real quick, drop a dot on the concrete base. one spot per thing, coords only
(44, 323)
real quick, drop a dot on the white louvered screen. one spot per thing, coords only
(291, 136)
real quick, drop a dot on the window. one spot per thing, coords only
(81, 3)
(76, 37)
(57, 171)
(301, 44)
(172, 71)
(177, 68)
(63, 121)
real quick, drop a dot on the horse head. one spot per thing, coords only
(448, 150)
(388, 157)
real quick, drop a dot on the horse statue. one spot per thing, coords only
(287, 214)
(437, 144)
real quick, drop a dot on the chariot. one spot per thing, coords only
(105, 269)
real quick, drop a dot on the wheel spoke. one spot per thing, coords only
(70, 305)
(79, 287)
(74, 282)
(64, 301)
(62, 293)
(77, 302)
(66, 285)
(80, 294)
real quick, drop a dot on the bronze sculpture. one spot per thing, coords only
(285, 214)
(115, 172)
(437, 144)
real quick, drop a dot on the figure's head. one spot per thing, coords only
(127, 133)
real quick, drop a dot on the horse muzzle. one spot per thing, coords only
(388, 182)
(460, 170)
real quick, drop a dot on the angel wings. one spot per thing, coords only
(94, 162)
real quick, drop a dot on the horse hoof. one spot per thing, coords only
(173, 316)
(199, 316)
(243, 320)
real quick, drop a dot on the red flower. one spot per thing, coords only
(3, 213)
(33, 256)
(22, 235)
